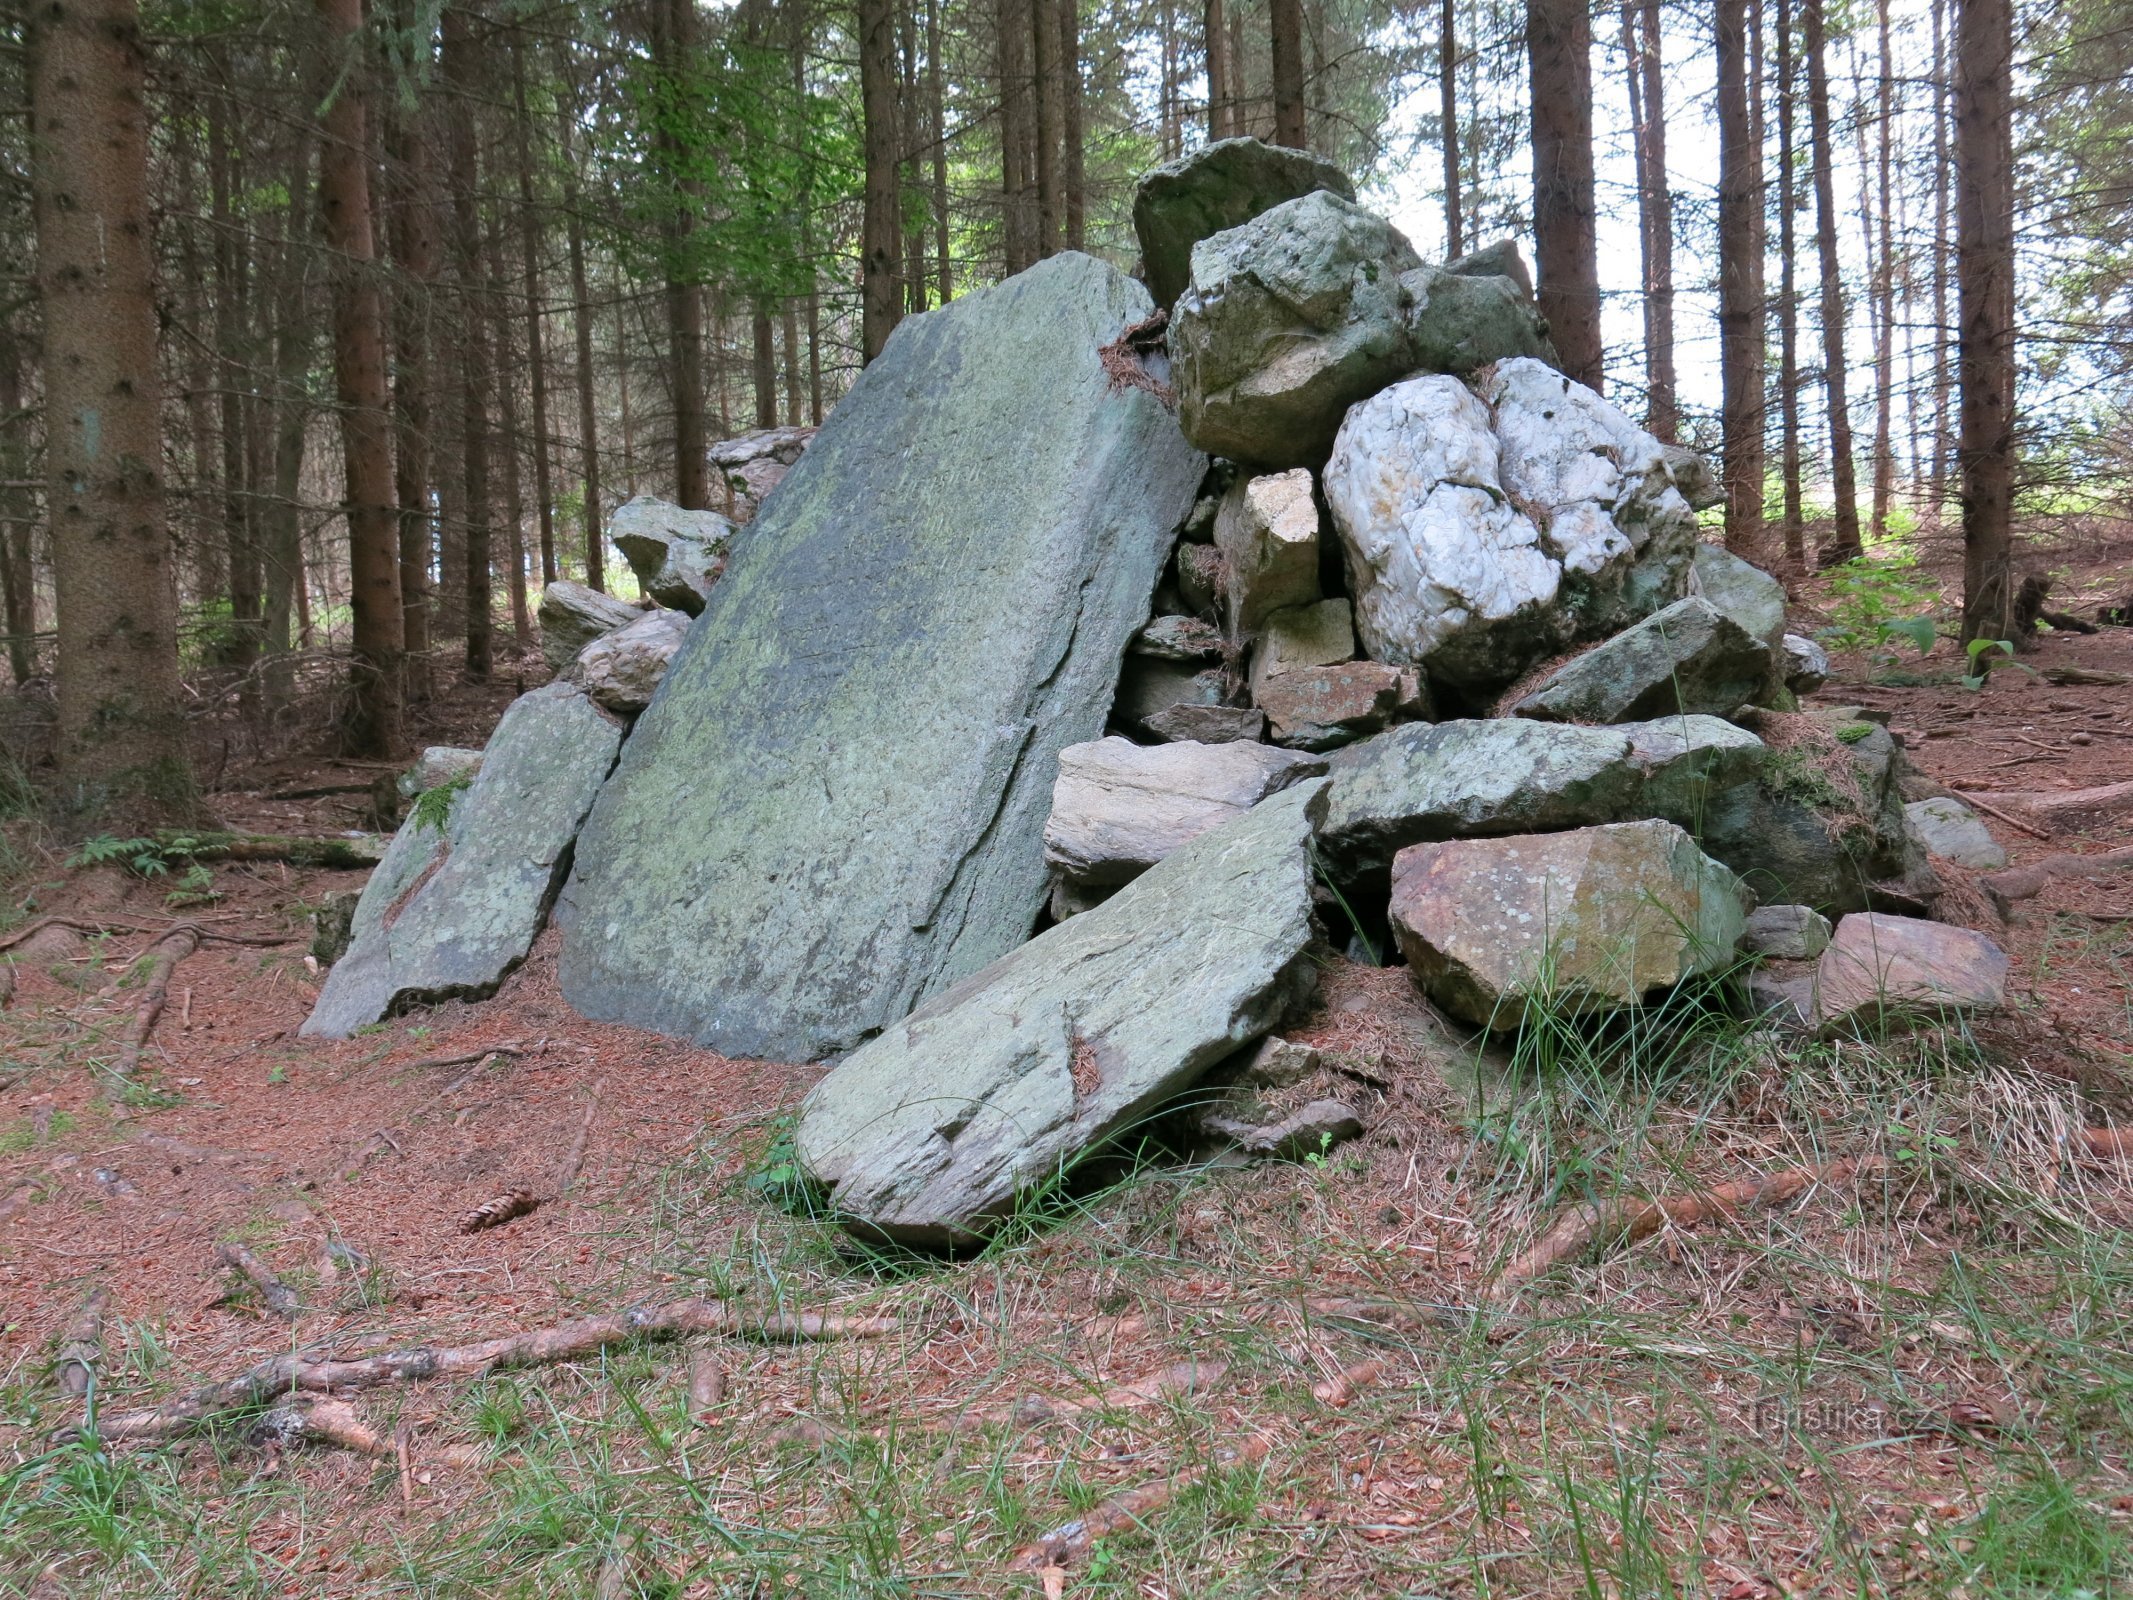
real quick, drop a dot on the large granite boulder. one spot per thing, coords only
(1267, 535)
(835, 807)
(1686, 657)
(1289, 320)
(1219, 186)
(620, 670)
(572, 616)
(1120, 807)
(1879, 966)
(1458, 322)
(676, 554)
(466, 885)
(1450, 780)
(1486, 532)
(1593, 919)
(929, 1133)
(756, 463)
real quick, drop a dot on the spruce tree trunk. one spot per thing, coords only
(413, 238)
(937, 109)
(1943, 271)
(880, 246)
(461, 72)
(1017, 220)
(536, 341)
(1559, 58)
(673, 47)
(789, 327)
(1216, 44)
(1740, 287)
(1448, 123)
(1655, 214)
(1788, 293)
(374, 723)
(582, 327)
(1048, 103)
(18, 591)
(765, 369)
(121, 736)
(281, 521)
(232, 293)
(1286, 20)
(1073, 161)
(1885, 283)
(1985, 294)
(1844, 545)
(511, 440)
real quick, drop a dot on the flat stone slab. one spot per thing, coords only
(572, 616)
(676, 554)
(1952, 831)
(929, 1133)
(1880, 964)
(450, 911)
(1786, 933)
(835, 807)
(1120, 807)
(1686, 657)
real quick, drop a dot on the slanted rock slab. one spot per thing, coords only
(1742, 590)
(1687, 657)
(451, 910)
(572, 616)
(835, 806)
(621, 670)
(1593, 919)
(1218, 186)
(1120, 807)
(676, 554)
(1207, 724)
(1322, 708)
(1952, 831)
(928, 1134)
(1879, 964)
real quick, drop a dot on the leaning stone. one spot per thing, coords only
(1207, 724)
(1310, 1130)
(572, 616)
(1693, 476)
(1151, 689)
(1743, 591)
(1952, 831)
(1594, 919)
(1879, 964)
(621, 669)
(1498, 260)
(1277, 1063)
(437, 766)
(835, 806)
(1218, 186)
(1785, 933)
(1289, 320)
(1267, 533)
(1178, 639)
(1806, 664)
(931, 1132)
(1689, 657)
(1449, 780)
(676, 554)
(756, 463)
(333, 925)
(1321, 635)
(452, 909)
(1458, 322)
(1321, 708)
(1120, 807)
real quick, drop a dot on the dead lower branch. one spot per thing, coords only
(162, 960)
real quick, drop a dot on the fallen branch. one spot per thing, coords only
(2021, 883)
(288, 1374)
(1599, 1226)
(707, 1385)
(82, 1351)
(2067, 622)
(1122, 1511)
(1992, 810)
(574, 1158)
(162, 957)
(2078, 807)
(324, 1421)
(277, 1296)
(299, 850)
(2090, 677)
(30, 930)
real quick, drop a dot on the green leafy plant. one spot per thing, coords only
(1876, 602)
(1980, 654)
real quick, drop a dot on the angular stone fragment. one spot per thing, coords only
(1151, 689)
(676, 554)
(1267, 533)
(1277, 1063)
(1786, 933)
(835, 807)
(1120, 807)
(1321, 635)
(1219, 186)
(1457, 322)
(1742, 590)
(1879, 964)
(1319, 708)
(436, 767)
(1693, 476)
(756, 463)
(1178, 639)
(1806, 664)
(1687, 657)
(1310, 1130)
(1592, 919)
(1451, 780)
(1207, 724)
(572, 616)
(621, 669)
(451, 910)
(1288, 321)
(928, 1134)
(1498, 260)
(1952, 831)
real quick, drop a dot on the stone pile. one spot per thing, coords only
(1436, 663)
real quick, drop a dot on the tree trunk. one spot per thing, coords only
(622, 399)
(1017, 222)
(1740, 288)
(1943, 354)
(765, 369)
(673, 47)
(1073, 164)
(1049, 104)
(1559, 56)
(461, 73)
(529, 246)
(582, 327)
(937, 110)
(1216, 43)
(18, 584)
(1884, 283)
(1985, 296)
(242, 642)
(121, 736)
(880, 245)
(1844, 545)
(1286, 20)
(281, 520)
(1655, 214)
(374, 723)
(512, 441)
(1448, 123)
(1788, 293)
(413, 237)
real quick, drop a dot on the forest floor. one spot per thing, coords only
(1915, 1382)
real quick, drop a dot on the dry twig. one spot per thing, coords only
(574, 1158)
(1074, 1539)
(277, 1296)
(162, 958)
(82, 1351)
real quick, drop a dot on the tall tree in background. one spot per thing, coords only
(1565, 226)
(1844, 545)
(581, 317)
(529, 244)
(412, 237)
(1788, 293)
(1286, 20)
(1884, 278)
(673, 41)
(1073, 163)
(374, 726)
(1740, 287)
(1985, 293)
(1215, 41)
(461, 75)
(879, 245)
(1448, 125)
(1655, 213)
(121, 747)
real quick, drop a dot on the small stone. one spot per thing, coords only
(1149, 687)
(1208, 724)
(1457, 322)
(1784, 993)
(756, 463)
(1806, 664)
(1321, 635)
(1952, 831)
(1498, 260)
(437, 766)
(572, 616)
(1178, 639)
(1312, 1130)
(1267, 533)
(1320, 708)
(1786, 933)
(1278, 1063)
(620, 670)
(1879, 963)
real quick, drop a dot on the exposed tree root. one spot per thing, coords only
(574, 1158)
(277, 1296)
(2076, 808)
(1071, 1540)
(707, 1385)
(2110, 1143)
(1186, 1377)
(283, 1375)
(299, 850)
(325, 1421)
(2008, 817)
(1596, 1227)
(2023, 882)
(162, 959)
(82, 1351)
(1340, 1389)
